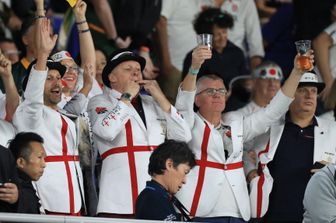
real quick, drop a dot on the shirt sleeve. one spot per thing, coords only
(331, 30)
(253, 30)
(108, 119)
(320, 198)
(168, 7)
(29, 113)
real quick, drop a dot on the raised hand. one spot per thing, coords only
(5, 66)
(152, 87)
(123, 43)
(132, 88)
(44, 42)
(88, 76)
(80, 10)
(150, 72)
(298, 63)
(199, 55)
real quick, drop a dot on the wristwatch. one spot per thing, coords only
(126, 96)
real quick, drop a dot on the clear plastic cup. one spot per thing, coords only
(303, 47)
(205, 39)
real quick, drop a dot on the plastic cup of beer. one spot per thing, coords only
(205, 39)
(303, 47)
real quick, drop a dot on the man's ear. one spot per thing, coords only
(24, 40)
(20, 162)
(197, 101)
(169, 164)
(112, 78)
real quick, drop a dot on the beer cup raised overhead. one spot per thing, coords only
(303, 47)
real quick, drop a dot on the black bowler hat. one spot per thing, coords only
(51, 66)
(116, 58)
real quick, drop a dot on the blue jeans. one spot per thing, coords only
(220, 219)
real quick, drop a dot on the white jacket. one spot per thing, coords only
(125, 144)
(7, 132)
(59, 188)
(241, 130)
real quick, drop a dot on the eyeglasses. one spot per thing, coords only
(213, 91)
(74, 69)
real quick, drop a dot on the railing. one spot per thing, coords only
(13, 217)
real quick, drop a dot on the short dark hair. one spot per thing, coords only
(178, 152)
(19, 146)
(28, 21)
(206, 19)
(4, 39)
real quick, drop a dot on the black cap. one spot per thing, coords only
(51, 66)
(116, 58)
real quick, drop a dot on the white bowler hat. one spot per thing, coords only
(310, 79)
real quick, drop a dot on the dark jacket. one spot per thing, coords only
(154, 203)
(7, 174)
(28, 201)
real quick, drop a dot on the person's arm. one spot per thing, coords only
(199, 55)
(105, 16)
(263, 9)
(88, 76)
(87, 50)
(152, 87)
(39, 8)
(12, 96)
(259, 122)
(150, 72)
(108, 117)
(29, 112)
(290, 85)
(167, 67)
(187, 90)
(321, 45)
(9, 190)
(253, 34)
(320, 198)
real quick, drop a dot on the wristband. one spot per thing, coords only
(81, 22)
(193, 71)
(40, 17)
(84, 30)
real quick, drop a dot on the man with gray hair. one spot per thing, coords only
(216, 190)
(267, 79)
